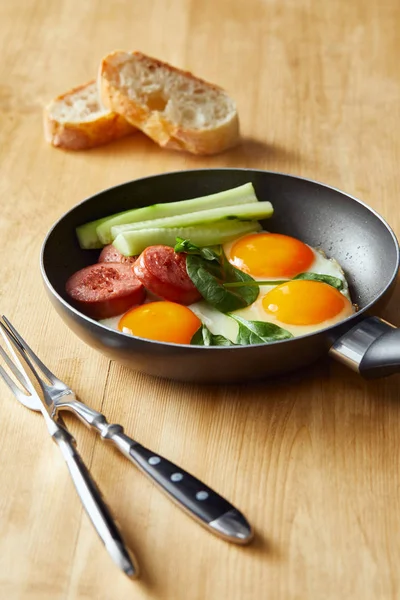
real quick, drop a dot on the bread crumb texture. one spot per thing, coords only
(173, 107)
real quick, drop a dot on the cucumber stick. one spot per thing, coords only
(87, 234)
(244, 212)
(243, 194)
(134, 242)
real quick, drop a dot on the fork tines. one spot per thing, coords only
(14, 365)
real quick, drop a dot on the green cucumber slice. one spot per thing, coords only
(243, 194)
(134, 242)
(245, 212)
(87, 234)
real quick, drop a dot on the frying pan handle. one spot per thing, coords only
(383, 356)
(372, 348)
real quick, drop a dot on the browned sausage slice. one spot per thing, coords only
(163, 272)
(111, 254)
(105, 289)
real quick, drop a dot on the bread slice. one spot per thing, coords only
(174, 108)
(76, 120)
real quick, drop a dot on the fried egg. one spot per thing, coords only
(161, 320)
(269, 255)
(299, 306)
(276, 256)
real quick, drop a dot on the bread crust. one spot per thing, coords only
(86, 134)
(163, 131)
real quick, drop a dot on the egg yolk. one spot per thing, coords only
(302, 302)
(271, 255)
(162, 321)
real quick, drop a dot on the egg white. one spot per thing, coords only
(256, 312)
(112, 322)
(221, 324)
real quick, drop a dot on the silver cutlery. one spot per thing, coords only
(197, 499)
(90, 495)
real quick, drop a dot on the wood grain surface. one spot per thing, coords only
(312, 460)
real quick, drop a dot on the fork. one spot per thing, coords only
(197, 499)
(90, 495)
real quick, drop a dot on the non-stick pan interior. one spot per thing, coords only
(320, 216)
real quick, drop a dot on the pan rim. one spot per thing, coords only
(349, 321)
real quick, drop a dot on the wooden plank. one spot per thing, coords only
(310, 459)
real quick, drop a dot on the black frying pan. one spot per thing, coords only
(319, 215)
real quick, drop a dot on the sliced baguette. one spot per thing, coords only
(174, 108)
(76, 120)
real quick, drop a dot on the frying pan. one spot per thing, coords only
(317, 214)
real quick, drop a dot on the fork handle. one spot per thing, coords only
(94, 504)
(197, 499)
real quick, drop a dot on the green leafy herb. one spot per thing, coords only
(189, 248)
(209, 278)
(209, 270)
(329, 279)
(204, 337)
(259, 332)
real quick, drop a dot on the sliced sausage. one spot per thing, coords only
(163, 272)
(111, 254)
(105, 289)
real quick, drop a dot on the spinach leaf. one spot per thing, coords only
(204, 337)
(209, 277)
(329, 279)
(189, 248)
(259, 332)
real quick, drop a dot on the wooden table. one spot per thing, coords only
(312, 460)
